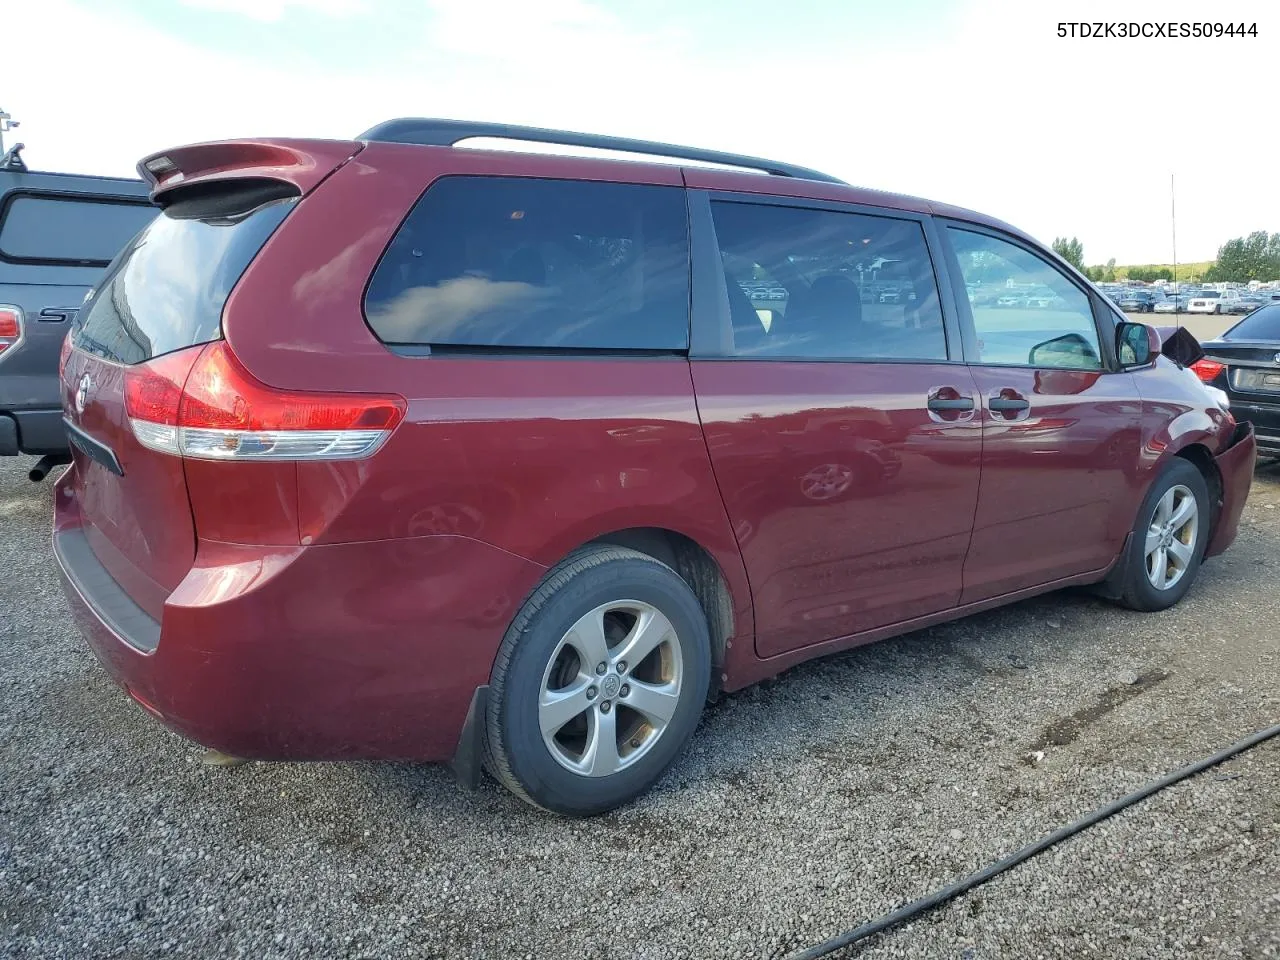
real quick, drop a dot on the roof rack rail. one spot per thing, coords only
(447, 133)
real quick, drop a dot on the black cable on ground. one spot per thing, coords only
(964, 885)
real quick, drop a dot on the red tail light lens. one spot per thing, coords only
(10, 327)
(1208, 370)
(202, 403)
(222, 395)
(153, 390)
(64, 355)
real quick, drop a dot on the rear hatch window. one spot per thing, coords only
(166, 289)
(163, 293)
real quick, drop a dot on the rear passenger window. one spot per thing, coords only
(820, 284)
(539, 264)
(52, 229)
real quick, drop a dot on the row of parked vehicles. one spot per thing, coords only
(1190, 300)
(386, 449)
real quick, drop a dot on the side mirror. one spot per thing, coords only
(1069, 351)
(1136, 344)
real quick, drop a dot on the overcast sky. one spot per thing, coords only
(977, 103)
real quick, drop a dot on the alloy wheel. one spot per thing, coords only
(611, 688)
(1171, 537)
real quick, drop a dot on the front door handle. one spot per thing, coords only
(940, 404)
(1008, 404)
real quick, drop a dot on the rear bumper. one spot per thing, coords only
(34, 432)
(371, 649)
(1235, 465)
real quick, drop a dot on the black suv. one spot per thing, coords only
(57, 233)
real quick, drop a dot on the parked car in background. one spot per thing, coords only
(1174, 303)
(57, 233)
(1245, 362)
(1138, 301)
(1207, 301)
(469, 456)
(1246, 303)
(1043, 300)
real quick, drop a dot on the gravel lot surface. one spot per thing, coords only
(806, 806)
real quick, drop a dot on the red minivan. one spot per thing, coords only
(393, 448)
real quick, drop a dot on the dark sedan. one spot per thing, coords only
(1245, 362)
(1138, 301)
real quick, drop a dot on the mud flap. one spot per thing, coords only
(468, 758)
(1110, 588)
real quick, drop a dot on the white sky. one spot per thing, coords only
(977, 103)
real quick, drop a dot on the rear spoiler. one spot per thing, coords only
(301, 164)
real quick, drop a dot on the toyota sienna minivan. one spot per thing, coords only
(394, 448)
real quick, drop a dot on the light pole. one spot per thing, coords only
(7, 123)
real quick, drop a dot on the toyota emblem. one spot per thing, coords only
(82, 393)
(1278, 358)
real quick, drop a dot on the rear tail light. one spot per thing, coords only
(64, 355)
(1208, 370)
(10, 327)
(201, 403)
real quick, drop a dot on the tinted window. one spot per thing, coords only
(167, 289)
(505, 262)
(58, 229)
(1262, 324)
(1025, 312)
(815, 284)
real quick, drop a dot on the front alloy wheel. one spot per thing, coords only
(1171, 537)
(1168, 540)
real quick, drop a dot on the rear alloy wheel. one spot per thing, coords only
(597, 715)
(599, 682)
(1168, 540)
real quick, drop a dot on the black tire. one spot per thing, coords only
(514, 749)
(1134, 588)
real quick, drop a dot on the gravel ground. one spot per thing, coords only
(807, 805)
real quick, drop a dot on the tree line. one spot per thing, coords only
(1255, 257)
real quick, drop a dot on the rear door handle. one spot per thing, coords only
(939, 404)
(1008, 404)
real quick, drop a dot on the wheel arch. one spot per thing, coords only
(698, 567)
(1202, 459)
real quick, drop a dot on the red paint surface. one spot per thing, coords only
(326, 610)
